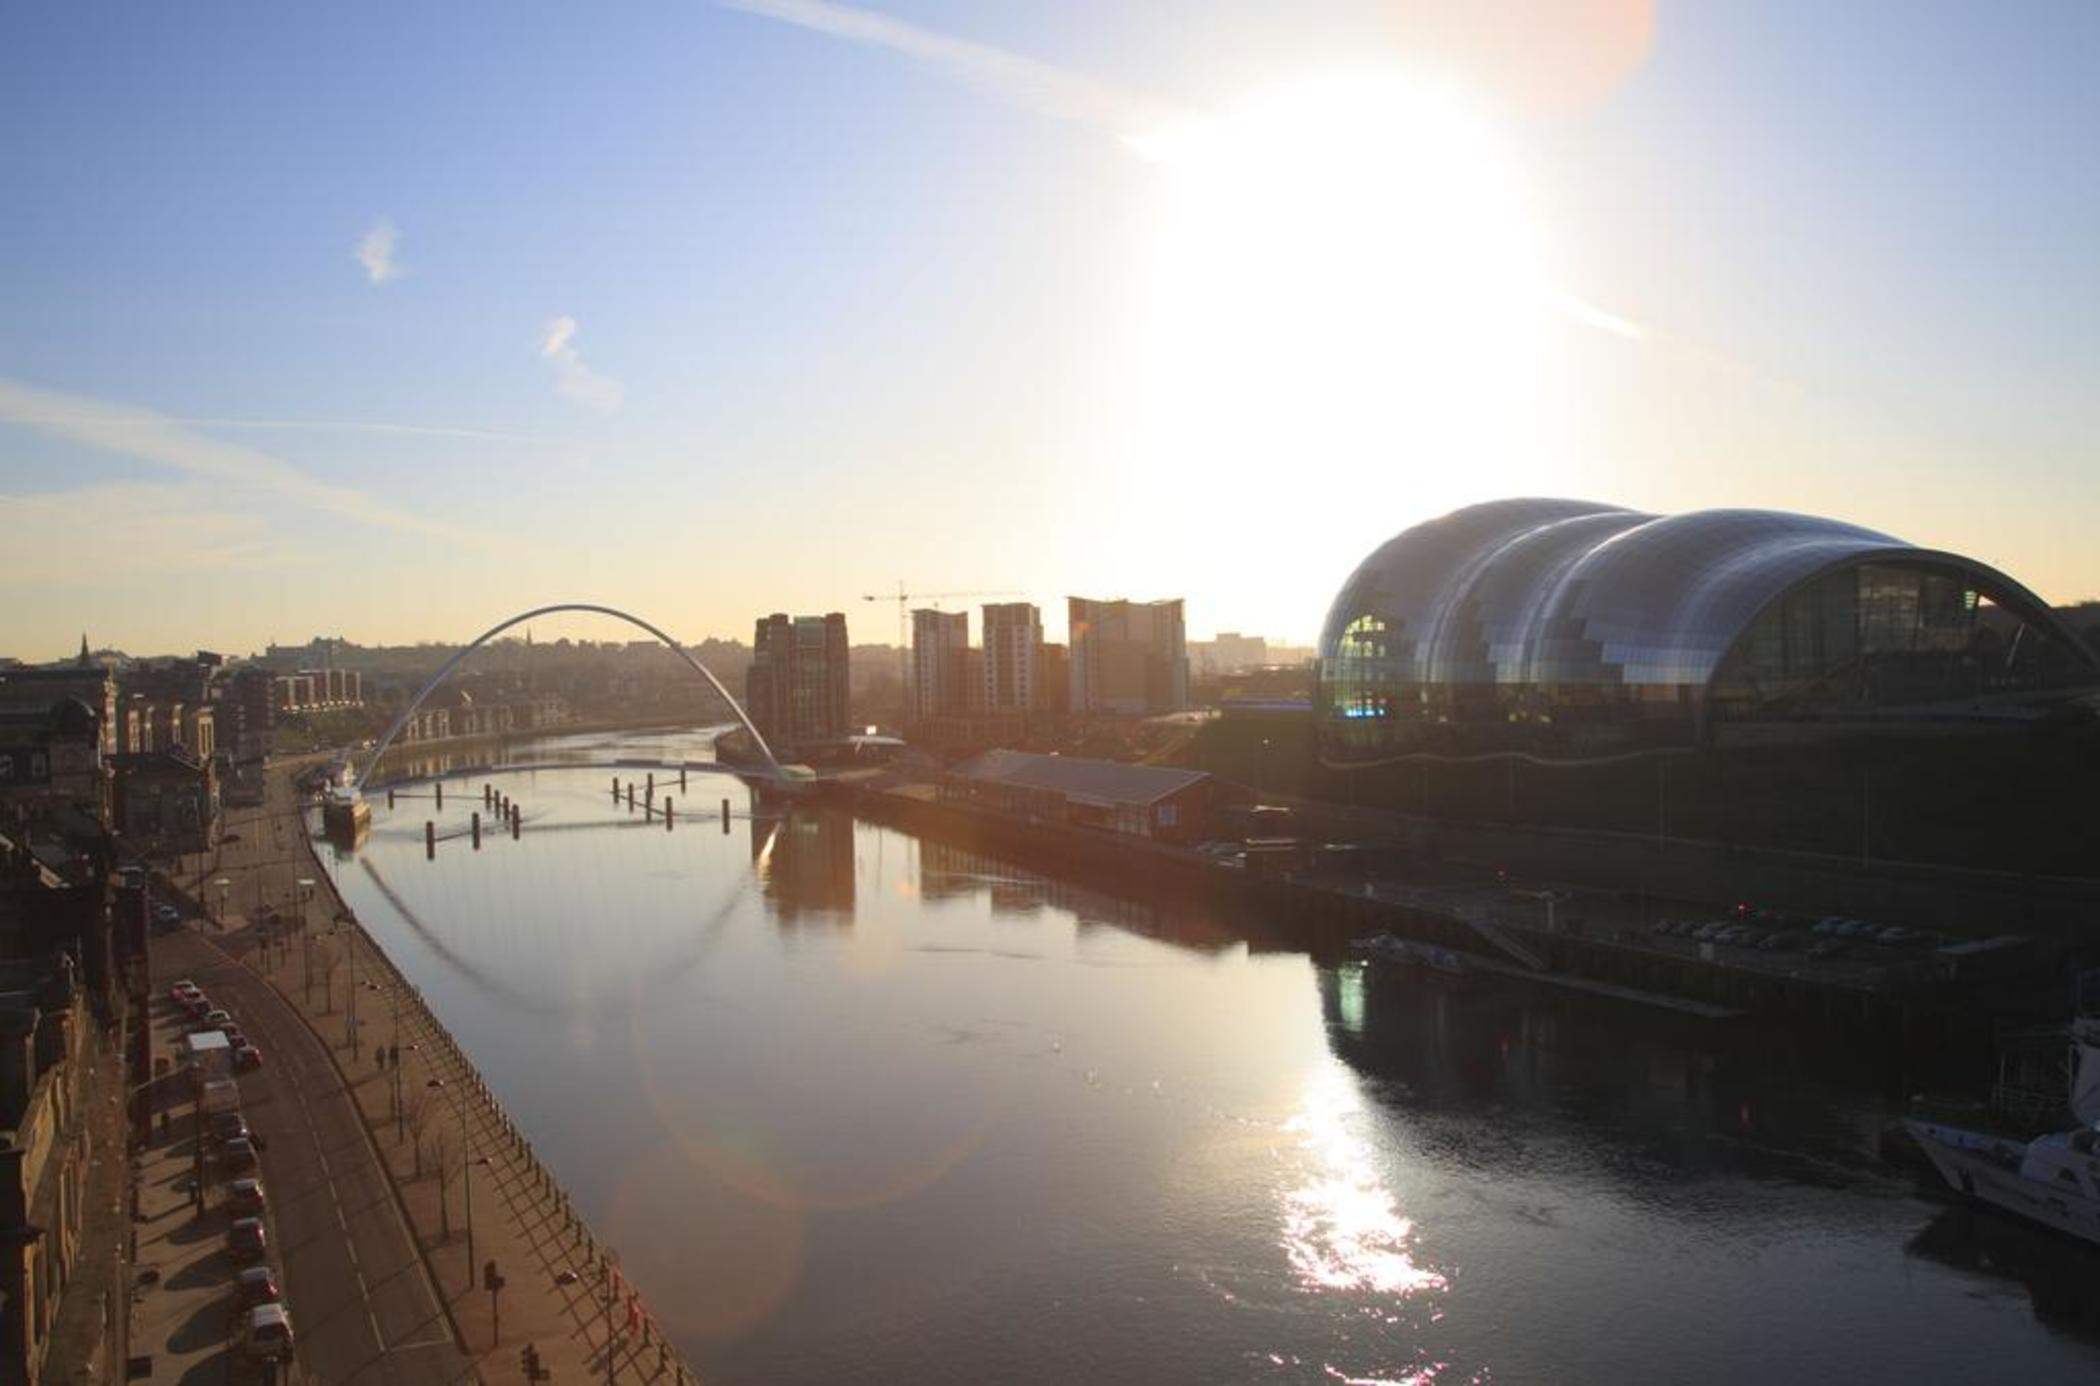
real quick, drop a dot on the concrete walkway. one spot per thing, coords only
(561, 1291)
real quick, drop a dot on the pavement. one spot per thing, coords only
(381, 1266)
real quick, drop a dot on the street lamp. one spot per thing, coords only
(466, 1169)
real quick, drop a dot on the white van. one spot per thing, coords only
(269, 1332)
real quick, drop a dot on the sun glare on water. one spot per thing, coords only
(1344, 276)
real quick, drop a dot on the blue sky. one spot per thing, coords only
(842, 311)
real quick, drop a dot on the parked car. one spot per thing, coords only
(233, 1034)
(257, 1285)
(245, 1197)
(213, 1019)
(246, 1057)
(1895, 936)
(246, 1240)
(226, 1126)
(183, 991)
(238, 1153)
(196, 1004)
(269, 1332)
(1784, 939)
(1830, 948)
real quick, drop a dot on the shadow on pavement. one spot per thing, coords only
(203, 1329)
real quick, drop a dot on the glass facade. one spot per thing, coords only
(1568, 627)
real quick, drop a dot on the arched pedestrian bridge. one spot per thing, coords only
(769, 768)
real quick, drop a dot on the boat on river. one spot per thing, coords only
(2053, 1180)
(1389, 948)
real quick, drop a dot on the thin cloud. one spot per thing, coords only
(375, 251)
(572, 377)
(143, 527)
(1020, 81)
(165, 442)
(1589, 315)
(330, 426)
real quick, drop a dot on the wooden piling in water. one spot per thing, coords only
(430, 840)
(475, 821)
(667, 813)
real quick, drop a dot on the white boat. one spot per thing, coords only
(2053, 1180)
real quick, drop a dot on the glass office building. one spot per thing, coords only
(1569, 628)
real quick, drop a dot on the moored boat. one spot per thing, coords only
(2053, 1180)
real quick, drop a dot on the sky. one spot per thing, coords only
(388, 321)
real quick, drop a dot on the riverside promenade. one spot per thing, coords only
(440, 1136)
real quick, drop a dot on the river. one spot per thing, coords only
(857, 1107)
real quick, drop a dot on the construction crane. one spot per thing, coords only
(904, 599)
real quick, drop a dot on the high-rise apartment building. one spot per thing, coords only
(940, 663)
(1013, 658)
(1128, 657)
(795, 689)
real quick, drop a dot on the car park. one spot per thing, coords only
(246, 1240)
(269, 1332)
(257, 1285)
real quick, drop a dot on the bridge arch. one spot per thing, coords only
(401, 720)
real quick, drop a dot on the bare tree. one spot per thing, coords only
(327, 957)
(421, 1108)
(441, 1144)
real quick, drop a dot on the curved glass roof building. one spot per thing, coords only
(1570, 627)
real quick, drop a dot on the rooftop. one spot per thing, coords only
(1104, 781)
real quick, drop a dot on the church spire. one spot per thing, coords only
(85, 659)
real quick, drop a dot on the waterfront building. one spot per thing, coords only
(1128, 658)
(1054, 690)
(940, 664)
(52, 760)
(37, 689)
(1569, 628)
(1012, 666)
(1230, 653)
(166, 801)
(795, 689)
(1153, 801)
(250, 716)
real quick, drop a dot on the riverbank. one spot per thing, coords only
(431, 1111)
(1599, 942)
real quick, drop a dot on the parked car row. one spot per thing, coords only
(1768, 932)
(263, 1321)
(189, 999)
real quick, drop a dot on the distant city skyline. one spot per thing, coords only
(708, 310)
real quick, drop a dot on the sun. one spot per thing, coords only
(1344, 280)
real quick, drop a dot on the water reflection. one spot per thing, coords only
(2060, 1277)
(1342, 1229)
(804, 862)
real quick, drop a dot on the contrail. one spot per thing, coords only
(305, 426)
(1021, 81)
(166, 442)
